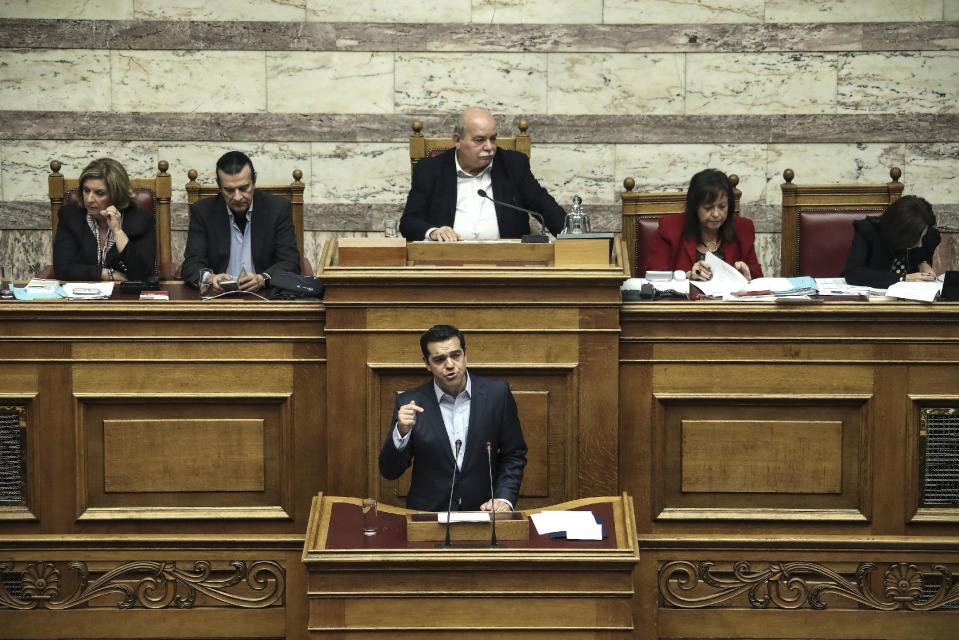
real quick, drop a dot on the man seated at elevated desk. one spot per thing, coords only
(452, 420)
(443, 203)
(240, 234)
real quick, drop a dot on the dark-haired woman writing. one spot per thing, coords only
(898, 245)
(708, 226)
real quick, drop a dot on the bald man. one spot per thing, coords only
(443, 203)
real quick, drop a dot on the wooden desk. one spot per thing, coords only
(768, 433)
(386, 587)
(185, 431)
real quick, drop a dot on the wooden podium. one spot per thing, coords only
(385, 586)
(551, 331)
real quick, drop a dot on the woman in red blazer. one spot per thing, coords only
(709, 226)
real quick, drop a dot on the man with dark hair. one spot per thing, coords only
(443, 203)
(226, 241)
(455, 407)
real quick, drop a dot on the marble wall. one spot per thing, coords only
(654, 89)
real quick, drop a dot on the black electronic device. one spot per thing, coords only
(288, 285)
(136, 286)
(950, 287)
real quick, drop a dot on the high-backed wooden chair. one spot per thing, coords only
(152, 195)
(641, 213)
(422, 147)
(817, 221)
(292, 192)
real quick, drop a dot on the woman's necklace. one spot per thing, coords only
(711, 246)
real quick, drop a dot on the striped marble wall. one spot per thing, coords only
(655, 89)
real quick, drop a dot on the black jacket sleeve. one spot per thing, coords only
(138, 259)
(195, 257)
(392, 461)
(74, 247)
(511, 455)
(286, 255)
(416, 214)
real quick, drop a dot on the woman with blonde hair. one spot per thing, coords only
(104, 235)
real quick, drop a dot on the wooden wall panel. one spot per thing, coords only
(156, 489)
(761, 456)
(142, 456)
(729, 459)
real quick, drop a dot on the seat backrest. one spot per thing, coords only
(817, 221)
(421, 147)
(641, 213)
(152, 195)
(292, 192)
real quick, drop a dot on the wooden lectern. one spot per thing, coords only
(386, 586)
(551, 331)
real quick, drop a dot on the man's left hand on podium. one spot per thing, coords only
(501, 505)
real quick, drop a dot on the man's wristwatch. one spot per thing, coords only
(266, 278)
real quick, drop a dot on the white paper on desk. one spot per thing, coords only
(553, 521)
(725, 278)
(921, 291)
(586, 531)
(88, 290)
(463, 516)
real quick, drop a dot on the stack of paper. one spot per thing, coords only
(921, 291)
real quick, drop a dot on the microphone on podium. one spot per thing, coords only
(492, 497)
(529, 238)
(449, 507)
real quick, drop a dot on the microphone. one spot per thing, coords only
(449, 507)
(530, 238)
(492, 513)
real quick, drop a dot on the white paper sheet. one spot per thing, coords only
(725, 278)
(921, 291)
(578, 525)
(463, 516)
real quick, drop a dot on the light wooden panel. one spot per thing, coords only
(183, 455)
(748, 459)
(232, 448)
(533, 410)
(740, 456)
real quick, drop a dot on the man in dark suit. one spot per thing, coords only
(240, 234)
(443, 203)
(455, 413)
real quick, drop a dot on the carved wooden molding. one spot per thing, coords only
(147, 584)
(801, 585)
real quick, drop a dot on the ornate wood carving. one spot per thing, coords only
(796, 585)
(148, 584)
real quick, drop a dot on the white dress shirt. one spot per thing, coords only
(475, 217)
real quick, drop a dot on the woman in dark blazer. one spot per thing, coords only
(898, 245)
(708, 226)
(104, 236)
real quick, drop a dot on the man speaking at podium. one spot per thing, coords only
(455, 416)
(444, 203)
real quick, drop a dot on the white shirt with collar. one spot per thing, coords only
(475, 217)
(456, 419)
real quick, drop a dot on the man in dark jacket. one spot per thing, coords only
(449, 421)
(443, 203)
(240, 233)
